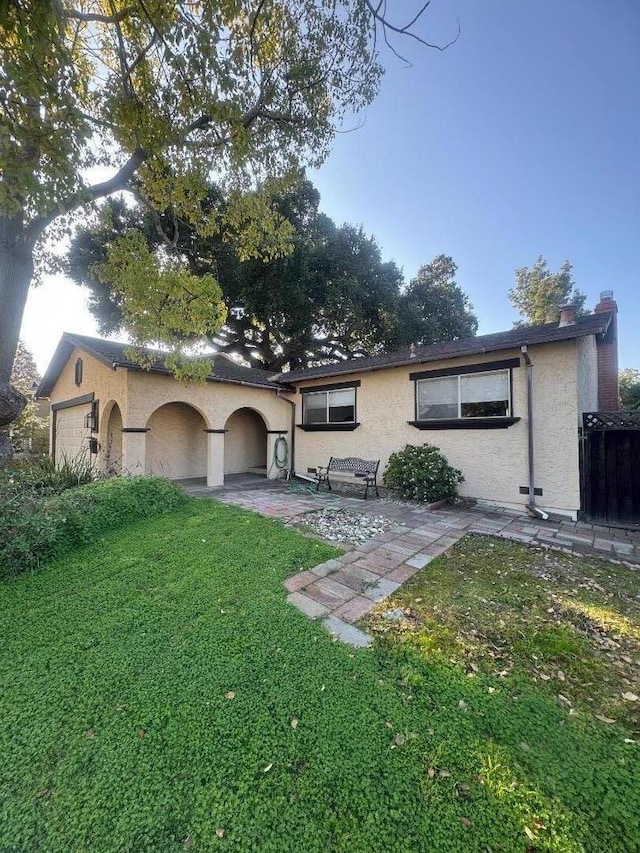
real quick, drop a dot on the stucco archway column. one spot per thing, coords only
(134, 446)
(272, 437)
(215, 458)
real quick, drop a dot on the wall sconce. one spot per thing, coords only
(91, 418)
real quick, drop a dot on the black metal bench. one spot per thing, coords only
(359, 469)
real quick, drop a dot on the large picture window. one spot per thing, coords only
(469, 395)
(330, 407)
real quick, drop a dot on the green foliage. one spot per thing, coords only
(163, 95)
(29, 432)
(332, 296)
(115, 668)
(421, 473)
(539, 294)
(433, 308)
(44, 516)
(629, 384)
(43, 475)
(160, 301)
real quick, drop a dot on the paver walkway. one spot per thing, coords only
(342, 590)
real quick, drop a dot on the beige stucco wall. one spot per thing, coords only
(111, 450)
(214, 400)
(103, 381)
(176, 445)
(494, 461)
(245, 442)
(139, 394)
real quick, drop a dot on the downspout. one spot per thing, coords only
(292, 466)
(531, 505)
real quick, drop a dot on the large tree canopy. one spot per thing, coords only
(331, 297)
(539, 294)
(629, 382)
(433, 307)
(157, 97)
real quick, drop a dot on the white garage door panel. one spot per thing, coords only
(72, 437)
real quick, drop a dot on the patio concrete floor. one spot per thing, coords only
(342, 590)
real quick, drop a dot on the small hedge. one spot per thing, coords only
(421, 473)
(32, 532)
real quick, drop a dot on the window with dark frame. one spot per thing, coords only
(466, 395)
(329, 407)
(78, 371)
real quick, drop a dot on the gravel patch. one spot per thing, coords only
(338, 525)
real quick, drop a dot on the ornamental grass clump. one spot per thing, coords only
(422, 473)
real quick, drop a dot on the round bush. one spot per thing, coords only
(421, 473)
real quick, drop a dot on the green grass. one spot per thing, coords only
(116, 733)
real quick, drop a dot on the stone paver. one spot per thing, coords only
(347, 633)
(344, 589)
(419, 561)
(383, 589)
(308, 606)
(355, 608)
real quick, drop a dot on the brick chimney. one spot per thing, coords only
(607, 347)
(567, 315)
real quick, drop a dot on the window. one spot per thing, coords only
(78, 371)
(330, 407)
(468, 395)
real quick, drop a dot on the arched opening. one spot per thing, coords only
(112, 442)
(245, 443)
(176, 444)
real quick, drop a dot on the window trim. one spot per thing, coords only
(459, 422)
(327, 390)
(328, 425)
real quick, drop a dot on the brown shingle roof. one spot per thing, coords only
(112, 353)
(589, 324)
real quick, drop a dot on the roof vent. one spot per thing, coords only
(567, 315)
(412, 351)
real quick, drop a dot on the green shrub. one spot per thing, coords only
(34, 529)
(421, 473)
(42, 474)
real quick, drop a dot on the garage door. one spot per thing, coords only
(72, 437)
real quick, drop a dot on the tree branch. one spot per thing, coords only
(85, 195)
(381, 18)
(89, 17)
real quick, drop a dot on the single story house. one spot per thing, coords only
(504, 408)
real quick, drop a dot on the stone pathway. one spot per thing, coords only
(342, 590)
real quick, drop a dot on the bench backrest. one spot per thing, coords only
(354, 465)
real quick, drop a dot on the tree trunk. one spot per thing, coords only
(16, 272)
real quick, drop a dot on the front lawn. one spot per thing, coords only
(157, 693)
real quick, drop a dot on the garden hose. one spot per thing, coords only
(280, 456)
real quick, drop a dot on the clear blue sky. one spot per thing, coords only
(521, 139)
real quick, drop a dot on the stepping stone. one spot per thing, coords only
(354, 609)
(381, 590)
(307, 605)
(419, 561)
(347, 633)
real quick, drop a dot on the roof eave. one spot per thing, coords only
(483, 350)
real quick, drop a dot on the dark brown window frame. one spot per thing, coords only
(330, 426)
(490, 422)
